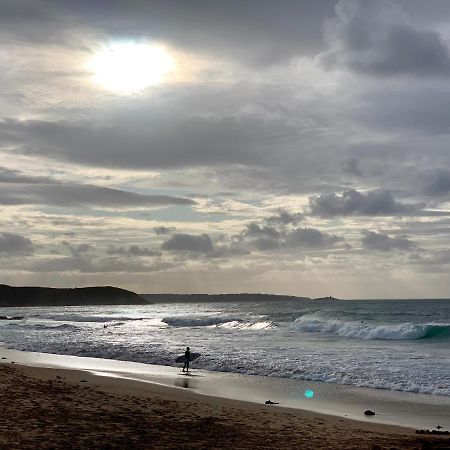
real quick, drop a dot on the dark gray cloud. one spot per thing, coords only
(14, 176)
(272, 33)
(372, 240)
(135, 250)
(283, 235)
(270, 234)
(352, 202)
(191, 127)
(407, 109)
(376, 38)
(12, 244)
(437, 182)
(189, 243)
(132, 250)
(352, 166)
(262, 237)
(285, 218)
(77, 250)
(231, 130)
(70, 195)
(309, 238)
(162, 230)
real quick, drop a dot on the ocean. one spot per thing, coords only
(389, 344)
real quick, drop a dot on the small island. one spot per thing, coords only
(326, 298)
(44, 296)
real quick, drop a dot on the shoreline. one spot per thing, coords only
(65, 408)
(412, 411)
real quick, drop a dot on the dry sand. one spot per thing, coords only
(65, 409)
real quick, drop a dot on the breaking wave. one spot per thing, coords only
(216, 321)
(236, 324)
(361, 330)
(86, 318)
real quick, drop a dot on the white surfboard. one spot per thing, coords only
(182, 358)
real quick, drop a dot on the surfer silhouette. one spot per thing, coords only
(187, 356)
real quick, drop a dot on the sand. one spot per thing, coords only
(42, 408)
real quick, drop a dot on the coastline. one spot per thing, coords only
(409, 410)
(68, 408)
(244, 395)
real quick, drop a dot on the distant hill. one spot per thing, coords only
(326, 298)
(44, 296)
(212, 298)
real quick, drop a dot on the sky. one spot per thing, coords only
(290, 146)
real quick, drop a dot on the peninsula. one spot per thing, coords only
(45, 296)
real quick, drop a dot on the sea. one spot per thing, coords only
(400, 345)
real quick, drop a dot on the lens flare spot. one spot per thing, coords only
(309, 393)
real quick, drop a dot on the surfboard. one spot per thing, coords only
(182, 358)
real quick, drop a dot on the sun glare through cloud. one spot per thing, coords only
(128, 67)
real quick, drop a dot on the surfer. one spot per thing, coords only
(187, 358)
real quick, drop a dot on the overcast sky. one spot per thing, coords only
(292, 146)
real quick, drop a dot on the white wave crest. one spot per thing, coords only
(216, 322)
(235, 324)
(361, 330)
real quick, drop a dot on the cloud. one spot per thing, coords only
(310, 238)
(372, 240)
(351, 166)
(77, 250)
(352, 202)
(13, 244)
(409, 108)
(377, 38)
(132, 250)
(162, 230)
(215, 28)
(271, 233)
(82, 264)
(285, 218)
(437, 182)
(14, 176)
(283, 235)
(178, 137)
(262, 237)
(18, 189)
(432, 261)
(189, 243)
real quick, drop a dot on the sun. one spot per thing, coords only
(130, 67)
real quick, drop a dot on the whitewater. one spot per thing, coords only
(394, 345)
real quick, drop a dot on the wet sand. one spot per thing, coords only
(394, 408)
(43, 408)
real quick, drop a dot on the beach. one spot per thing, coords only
(106, 377)
(57, 408)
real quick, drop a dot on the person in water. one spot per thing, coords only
(187, 355)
